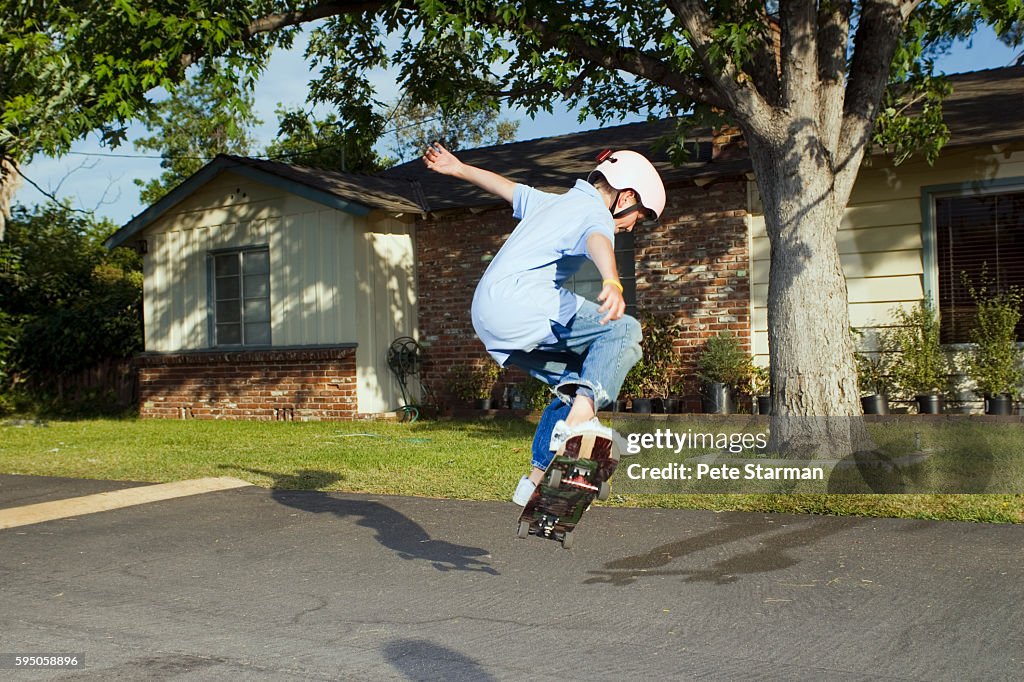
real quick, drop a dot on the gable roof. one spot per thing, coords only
(349, 192)
(983, 109)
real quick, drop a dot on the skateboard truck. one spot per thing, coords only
(580, 482)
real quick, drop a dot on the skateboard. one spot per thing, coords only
(578, 474)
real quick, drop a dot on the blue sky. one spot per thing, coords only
(102, 180)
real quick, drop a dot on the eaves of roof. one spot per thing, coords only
(349, 192)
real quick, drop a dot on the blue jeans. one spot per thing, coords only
(587, 358)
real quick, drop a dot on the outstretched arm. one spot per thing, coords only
(444, 162)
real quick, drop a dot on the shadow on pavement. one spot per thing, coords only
(393, 530)
(419, 659)
(772, 555)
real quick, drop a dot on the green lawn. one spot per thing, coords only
(477, 460)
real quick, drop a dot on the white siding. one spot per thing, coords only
(334, 279)
(880, 239)
(386, 304)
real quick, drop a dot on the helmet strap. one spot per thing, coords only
(624, 212)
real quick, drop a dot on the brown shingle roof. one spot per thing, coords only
(371, 191)
(984, 108)
(553, 163)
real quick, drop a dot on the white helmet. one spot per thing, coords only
(628, 170)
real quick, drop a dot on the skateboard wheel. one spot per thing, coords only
(604, 491)
(555, 478)
(524, 530)
(567, 541)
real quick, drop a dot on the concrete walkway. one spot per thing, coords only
(250, 583)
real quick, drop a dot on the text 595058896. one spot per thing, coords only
(39, 661)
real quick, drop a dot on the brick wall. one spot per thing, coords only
(452, 252)
(694, 267)
(285, 385)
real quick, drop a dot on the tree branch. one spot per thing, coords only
(630, 60)
(764, 66)
(738, 94)
(878, 35)
(799, 48)
(833, 41)
(276, 22)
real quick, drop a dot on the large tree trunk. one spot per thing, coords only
(815, 400)
(10, 179)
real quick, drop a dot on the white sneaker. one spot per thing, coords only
(524, 491)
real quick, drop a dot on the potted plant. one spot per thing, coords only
(637, 385)
(657, 359)
(921, 368)
(722, 367)
(872, 378)
(475, 384)
(649, 379)
(760, 388)
(534, 394)
(994, 362)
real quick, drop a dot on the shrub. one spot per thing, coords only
(994, 362)
(921, 366)
(723, 360)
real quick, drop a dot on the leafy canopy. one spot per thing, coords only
(197, 122)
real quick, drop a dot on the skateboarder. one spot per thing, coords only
(524, 316)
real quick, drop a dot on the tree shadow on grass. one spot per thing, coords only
(772, 555)
(393, 530)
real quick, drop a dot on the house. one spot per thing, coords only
(273, 292)
(351, 262)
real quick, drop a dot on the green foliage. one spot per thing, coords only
(760, 380)
(921, 366)
(474, 382)
(198, 121)
(71, 68)
(536, 394)
(994, 363)
(66, 303)
(10, 332)
(328, 143)
(872, 366)
(910, 118)
(723, 360)
(651, 377)
(417, 125)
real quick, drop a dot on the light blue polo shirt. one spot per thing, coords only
(521, 292)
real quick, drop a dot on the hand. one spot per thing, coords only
(611, 302)
(441, 160)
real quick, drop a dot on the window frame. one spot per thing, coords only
(211, 259)
(625, 263)
(929, 229)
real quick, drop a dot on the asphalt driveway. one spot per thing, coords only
(263, 584)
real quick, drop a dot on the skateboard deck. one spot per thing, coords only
(578, 474)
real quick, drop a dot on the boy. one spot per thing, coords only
(523, 315)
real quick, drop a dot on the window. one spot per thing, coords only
(587, 282)
(976, 234)
(241, 296)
